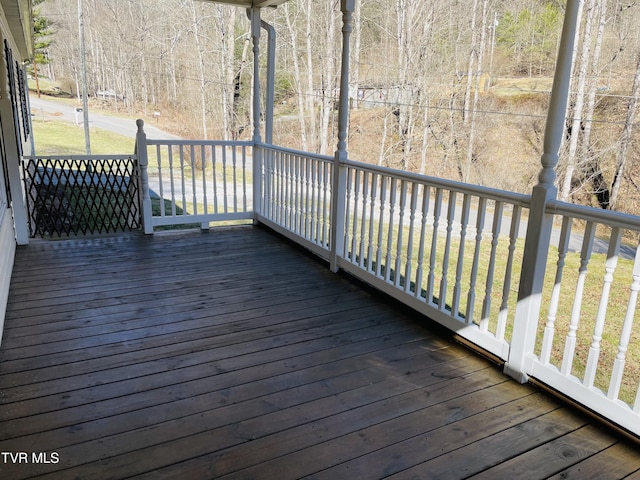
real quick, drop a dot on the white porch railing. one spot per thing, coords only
(423, 241)
(296, 196)
(451, 251)
(588, 342)
(193, 181)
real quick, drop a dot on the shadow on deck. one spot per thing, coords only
(232, 354)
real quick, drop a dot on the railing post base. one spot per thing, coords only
(517, 375)
(338, 192)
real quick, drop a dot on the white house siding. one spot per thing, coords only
(15, 28)
(7, 253)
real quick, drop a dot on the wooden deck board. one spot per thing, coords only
(231, 354)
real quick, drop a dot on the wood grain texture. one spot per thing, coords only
(232, 354)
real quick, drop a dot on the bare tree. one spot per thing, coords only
(625, 140)
(576, 112)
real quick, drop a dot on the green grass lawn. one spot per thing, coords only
(62, 138)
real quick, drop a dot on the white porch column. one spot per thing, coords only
(254, 14)
(540, 223)
(271, 81)
(339, 181)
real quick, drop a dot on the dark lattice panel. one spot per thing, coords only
(81, 196)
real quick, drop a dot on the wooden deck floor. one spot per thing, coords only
(231, 354)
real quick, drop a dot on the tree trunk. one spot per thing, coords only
(592, 170)
(425, 140)
(575, 119)
(471, 64)
(297, 77)
(626, 138)
(195, 29)
(357, 48)
(310, 84)
(383, 140)
(476, 93)
(328, 80)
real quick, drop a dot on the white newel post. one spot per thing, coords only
(254, 14)
(540, 223)
(143, 162)
(339, 180)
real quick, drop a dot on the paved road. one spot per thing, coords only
(48, 109)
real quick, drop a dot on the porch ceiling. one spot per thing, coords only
(18, 15)
(249, 3)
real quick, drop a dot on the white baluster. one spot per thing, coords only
(392, 205)
(288, 191)
(437, 210)
(570, 343)
(285, 189)
(506, 288)
(363, 226)
(234, 170)
(315, 213)
(160, 180)
(399, 245)
(173, 186)
(354, 227)
(372, 216)
(549, 329)
(488, 291)
(224, 179)
(444, 282)
(327, 175)
(383, 200)
(625, 335)
(297, 207)
(423, 234)
(182, 181)
(204, 180)
(280, 169)
(192, 165)
(269, 185)
(308, 198)
(261, 171)
(408, 273)
(471, 296)
(214, 167)
(347, 213)
(457, 289)
(610, 268)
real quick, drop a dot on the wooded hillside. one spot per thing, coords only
(451, 88)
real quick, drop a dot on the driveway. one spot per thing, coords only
(49, 110)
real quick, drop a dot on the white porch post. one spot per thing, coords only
(339, 181)
(271, 81)
(143, 189)
(540, 224)
(257, 140)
